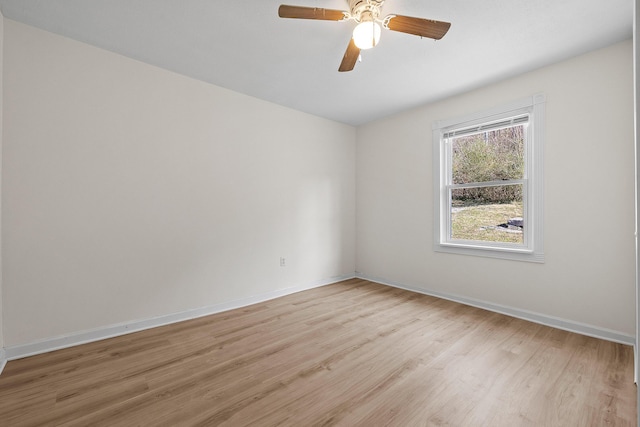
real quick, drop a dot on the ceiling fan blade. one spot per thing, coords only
(418, 26)
(350, 57)
(301, 12)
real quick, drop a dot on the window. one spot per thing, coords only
(488, 182)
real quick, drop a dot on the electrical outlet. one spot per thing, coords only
(283, 262)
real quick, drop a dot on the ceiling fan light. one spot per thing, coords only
(366, 34)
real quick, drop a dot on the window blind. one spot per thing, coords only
(486, 127)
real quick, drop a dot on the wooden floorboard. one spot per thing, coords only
(353, 353)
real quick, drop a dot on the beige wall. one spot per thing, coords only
(588, 276)
(130, 192)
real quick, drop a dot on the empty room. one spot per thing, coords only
(327, 212)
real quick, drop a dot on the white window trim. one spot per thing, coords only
(534, 249)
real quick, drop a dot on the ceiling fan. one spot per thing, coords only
(367, 33)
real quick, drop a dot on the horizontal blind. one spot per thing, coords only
(487, 127)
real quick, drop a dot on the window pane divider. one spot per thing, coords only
(488, 184)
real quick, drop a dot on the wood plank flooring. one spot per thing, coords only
(353, 353)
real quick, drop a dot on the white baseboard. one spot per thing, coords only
(3, 360)
(635, 369)
(554, 322)
(70, 340)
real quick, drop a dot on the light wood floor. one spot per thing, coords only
(351, 354)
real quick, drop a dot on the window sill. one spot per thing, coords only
(516, 254)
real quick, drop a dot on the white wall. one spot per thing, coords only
(636, 99)
(130, 192)
(588, 276)
(1, 79)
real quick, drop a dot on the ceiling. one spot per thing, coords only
(242, 45)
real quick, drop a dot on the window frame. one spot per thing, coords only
(532, 250)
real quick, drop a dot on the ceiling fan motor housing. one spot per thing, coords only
(365, 10)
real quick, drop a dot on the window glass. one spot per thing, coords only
(489, 221)
(489, 156)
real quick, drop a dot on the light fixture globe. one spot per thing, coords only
(366, 34)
